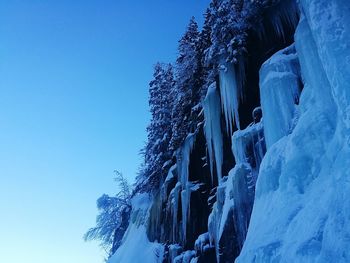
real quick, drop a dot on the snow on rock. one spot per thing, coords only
(302, 211)
(212, 129)
(279, 90)
(135, 245)
(231, 92)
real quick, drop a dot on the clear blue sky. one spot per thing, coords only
(73, 107)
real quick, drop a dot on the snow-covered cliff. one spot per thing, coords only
(265, 175)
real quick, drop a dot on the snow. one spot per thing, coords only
(230, 91)
(137, 248)
(302, 211)
(279, 91)
(212, 130)
(135, 245)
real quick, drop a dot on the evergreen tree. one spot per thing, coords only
(156, 152)
(186, 91)
(207, 70)
(229, 30)
(113, 218)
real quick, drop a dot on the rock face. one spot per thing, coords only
(276, 189)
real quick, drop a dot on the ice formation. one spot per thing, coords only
(174, 204)
(183, 167)
(301, 210)
(248, 146)
(166, 185)
(279, 92)
(230, 91)
(234, 197)
(183, 156)
(212, 129)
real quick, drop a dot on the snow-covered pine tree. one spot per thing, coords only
(113, 218)
(186, 91)
(156, 151)
(229, 29)
(207, 71)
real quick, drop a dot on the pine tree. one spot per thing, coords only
(207, 70)
(187, 88)
(156, 152)
(113, 218)
(229, 30)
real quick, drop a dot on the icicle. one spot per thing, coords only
(183, 163)
(283, 16)
(212, 129)
(171, 176)
(185, 202)
(174, 208)
(184, 158)
(215, 227)
(231, 91)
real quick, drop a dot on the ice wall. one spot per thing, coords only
(301, 211)
(329, 22)
(279, 92)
